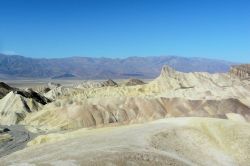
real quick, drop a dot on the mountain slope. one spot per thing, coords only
(103, 68)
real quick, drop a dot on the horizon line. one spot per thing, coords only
(122, 57)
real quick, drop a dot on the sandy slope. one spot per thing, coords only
(126, 110)
(14, 108)
(174, 141)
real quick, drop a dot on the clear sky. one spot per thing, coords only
(121, 28)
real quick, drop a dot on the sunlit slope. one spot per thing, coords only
(14, 108)
(173, 141)
(15, 105)
(65, 114)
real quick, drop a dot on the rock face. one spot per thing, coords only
(55, 93)
(29, 93)
(14, 108)
(198, 85)
(109, 82)
(5, 89)
(167, 71)
(133, 82)
(172, 79)
(241, 71)
(16, 105)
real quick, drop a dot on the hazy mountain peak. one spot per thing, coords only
(103, 68)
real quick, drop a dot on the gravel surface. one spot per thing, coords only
(20, 137)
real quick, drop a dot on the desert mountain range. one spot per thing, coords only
(12, 67)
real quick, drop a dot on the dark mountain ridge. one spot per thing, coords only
(103, 68)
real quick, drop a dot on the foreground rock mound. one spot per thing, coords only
(174, 141)
(16, 105)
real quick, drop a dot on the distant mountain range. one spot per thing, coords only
(15, 66)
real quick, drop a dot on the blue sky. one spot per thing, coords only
(120, 28)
